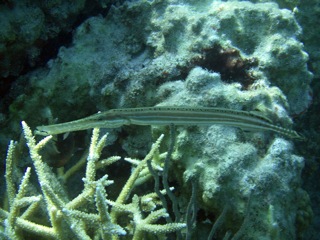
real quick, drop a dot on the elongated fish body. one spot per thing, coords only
(170, 115)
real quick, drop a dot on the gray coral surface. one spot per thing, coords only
(231, 54)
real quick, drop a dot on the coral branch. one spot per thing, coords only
(88, 215)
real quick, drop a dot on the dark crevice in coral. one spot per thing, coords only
(10, 89)
(308, 123)
(5, 85)
(50, 49)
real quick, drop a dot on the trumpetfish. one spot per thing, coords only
(114, 118)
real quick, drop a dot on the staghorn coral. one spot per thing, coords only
(88, 215)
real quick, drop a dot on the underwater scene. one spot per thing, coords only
(159, 119)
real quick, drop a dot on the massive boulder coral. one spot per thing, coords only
(256, 176)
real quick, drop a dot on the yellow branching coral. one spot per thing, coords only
(89, 215)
